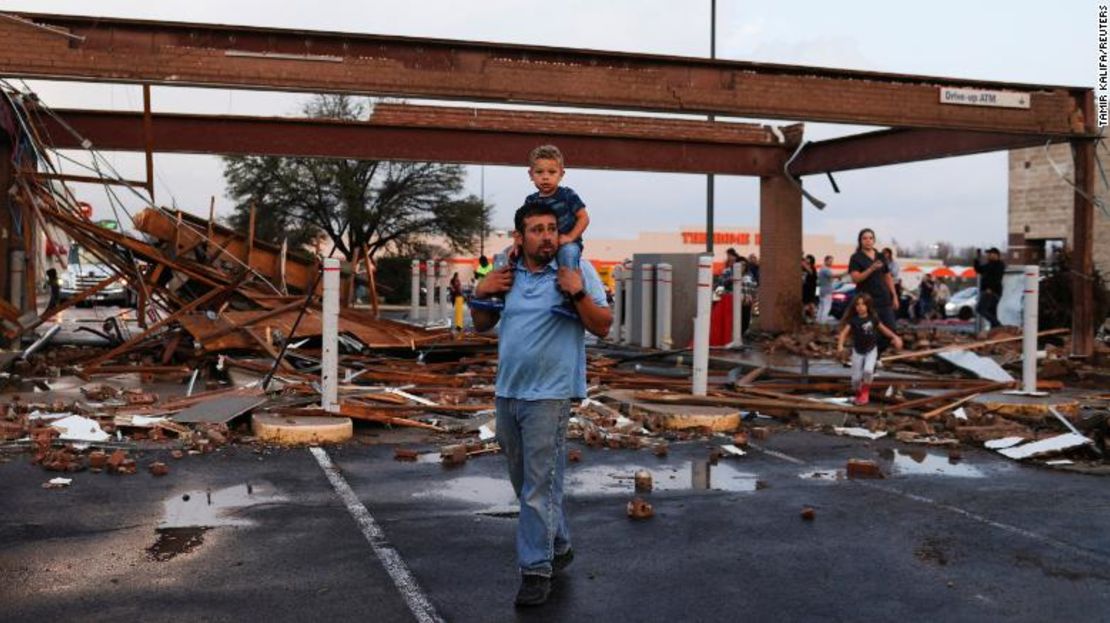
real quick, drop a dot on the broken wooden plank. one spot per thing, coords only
(750, 377)
(968, 346)
(752, 403)
(928, 415)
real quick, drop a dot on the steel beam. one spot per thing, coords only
(209, 55)
(897, 146)
(414, 134)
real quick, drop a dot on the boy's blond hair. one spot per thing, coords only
(545, 152)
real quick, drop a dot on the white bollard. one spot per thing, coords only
(618, 305)
(429, 288)
(329, 360)
(701, 325)
(737, 306)
(663, 289)
(647, 297)
(414, 307)
(1029, 331)
(626, 326)
(446, 309)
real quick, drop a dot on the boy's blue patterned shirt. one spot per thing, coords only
(566, 204)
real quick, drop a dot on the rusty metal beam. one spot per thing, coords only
(897, 146)
(740, 150)
(209, 55)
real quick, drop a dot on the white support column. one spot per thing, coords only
(414, 307)
(663, 302)
(1029, 330)
(701, 325)
(737, 305)
(446, 311)
(329, 361)
(629, 305)
(647, 298)
(618, 304)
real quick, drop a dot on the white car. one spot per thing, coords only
(962, 304)
(85, 270)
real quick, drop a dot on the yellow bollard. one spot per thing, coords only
(460, 309)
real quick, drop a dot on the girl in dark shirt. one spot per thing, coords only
(862, 323)
(871, 274)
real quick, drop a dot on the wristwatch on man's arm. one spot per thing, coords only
(579, 295)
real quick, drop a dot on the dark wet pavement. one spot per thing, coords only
(265, 537)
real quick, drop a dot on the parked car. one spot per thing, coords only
(962, 304)
(841, 297)
(85, 270)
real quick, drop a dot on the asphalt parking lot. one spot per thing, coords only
(263, 534)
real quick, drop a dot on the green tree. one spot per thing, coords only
(381, 205)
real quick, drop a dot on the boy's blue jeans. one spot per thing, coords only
(532, 434)
(569, 255)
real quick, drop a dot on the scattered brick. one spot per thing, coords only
(453, 455)
(760, 432)
(639, 508)
(574, 455)
(808, 513)
(116, 460)
(405, 454)
(643, 481)
(98, 459)
(860, 468)
(159, 469)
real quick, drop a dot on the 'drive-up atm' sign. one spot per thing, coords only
(981, 97)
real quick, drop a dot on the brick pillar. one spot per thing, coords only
(780, 260)
(1083, 248)
(6, 179)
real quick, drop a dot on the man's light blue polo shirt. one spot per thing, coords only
(542, 355)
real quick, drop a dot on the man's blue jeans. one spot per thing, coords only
(532, 434)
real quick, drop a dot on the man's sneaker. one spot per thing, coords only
(562, 561)
(534, 590)
(566, 310)
(490, 304)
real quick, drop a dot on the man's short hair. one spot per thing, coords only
(545, 152)
(994, 250)
(828, 257)
(529, 210)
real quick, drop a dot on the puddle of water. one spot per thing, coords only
(190, 515)
(496, 493)
(208, 509)
(923, 462)
(689, 475)
(174, 541)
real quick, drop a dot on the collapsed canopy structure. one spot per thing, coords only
(928, 117)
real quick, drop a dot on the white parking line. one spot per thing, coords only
(1063, 545)
(411, 592)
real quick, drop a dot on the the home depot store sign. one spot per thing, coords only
(722, 237)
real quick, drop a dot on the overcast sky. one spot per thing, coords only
(962, 200)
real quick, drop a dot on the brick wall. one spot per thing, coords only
(1042, 202)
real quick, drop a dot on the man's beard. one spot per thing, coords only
(542, 255)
